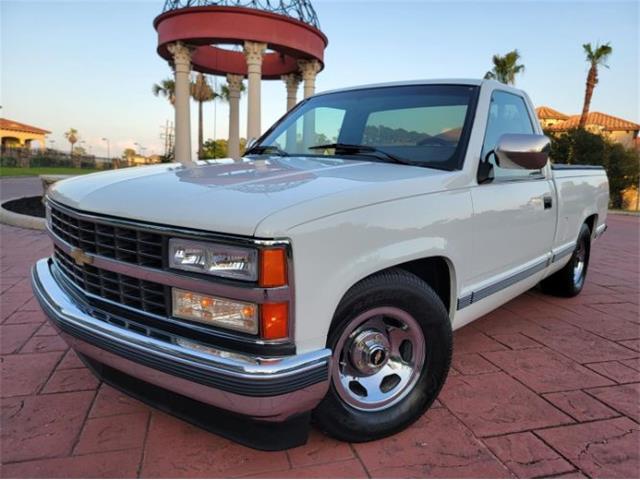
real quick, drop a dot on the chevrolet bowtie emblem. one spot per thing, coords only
(80, 257)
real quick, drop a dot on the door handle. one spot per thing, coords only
(547, 200)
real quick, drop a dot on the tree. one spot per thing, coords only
(583, 147)
(596, 56)
(201, 92)
(505, 68)
(224, 91)
(72, 136)
(80, 151)
(128, 155)
(214, 149)
(166, 88)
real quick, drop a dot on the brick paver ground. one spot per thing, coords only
(11, 187)
(541, 387)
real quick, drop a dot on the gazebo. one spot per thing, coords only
(279, 40)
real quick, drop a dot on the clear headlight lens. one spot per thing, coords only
(219, 312)
(214, 259)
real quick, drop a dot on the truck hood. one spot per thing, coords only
(235, 197)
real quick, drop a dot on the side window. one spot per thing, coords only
(507, 114)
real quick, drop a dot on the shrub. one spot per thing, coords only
(581, 147)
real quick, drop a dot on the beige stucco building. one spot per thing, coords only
(613, 128)
(549, 117)
(20, 135)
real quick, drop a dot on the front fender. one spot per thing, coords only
(333, 253)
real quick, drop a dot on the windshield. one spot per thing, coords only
(425, 125)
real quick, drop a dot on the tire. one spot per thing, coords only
(402, 308)
(569, 281)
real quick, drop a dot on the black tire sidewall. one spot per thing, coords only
(584, 236)
(561, 283)
(408, 293)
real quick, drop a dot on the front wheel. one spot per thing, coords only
(391, 340)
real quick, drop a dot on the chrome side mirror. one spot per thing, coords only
(522, 151)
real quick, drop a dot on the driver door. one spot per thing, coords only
(514, 214)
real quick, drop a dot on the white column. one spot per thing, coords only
(253, 52)
(291, 81)
(309, 70)
(234, 83)
(182, 70)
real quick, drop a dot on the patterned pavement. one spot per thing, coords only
(11, 187)
(541, 387)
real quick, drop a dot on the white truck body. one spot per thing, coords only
(348, 218)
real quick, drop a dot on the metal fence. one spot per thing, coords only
(299, 9)
(24, 157)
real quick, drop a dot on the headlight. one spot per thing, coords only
(214, 259)
(220, 312)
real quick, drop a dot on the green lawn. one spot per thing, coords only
(34, 171)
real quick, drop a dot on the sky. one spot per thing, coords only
(91, 64)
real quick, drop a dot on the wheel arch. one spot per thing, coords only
(592, 222)
(437, 271)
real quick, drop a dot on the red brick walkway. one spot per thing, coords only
(541, 387)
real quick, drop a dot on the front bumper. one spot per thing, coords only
(268, 389)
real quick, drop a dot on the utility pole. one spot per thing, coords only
(166, 134)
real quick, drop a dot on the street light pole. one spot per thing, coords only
(108, 147)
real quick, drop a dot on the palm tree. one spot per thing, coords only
(201, 92)
(166, 88)
(224, 91)
(72, 136)
(596, 56)
(505, 68)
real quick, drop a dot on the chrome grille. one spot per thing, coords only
(126, 244)
(133, 292)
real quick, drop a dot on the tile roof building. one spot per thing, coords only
(548, 116)
(19, 135)
(613, 128)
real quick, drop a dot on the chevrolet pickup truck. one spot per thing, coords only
(318, 278)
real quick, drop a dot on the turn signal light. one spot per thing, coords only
(274, 319)
(273, 267)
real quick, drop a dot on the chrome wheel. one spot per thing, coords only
(378, 358)
(579, 262)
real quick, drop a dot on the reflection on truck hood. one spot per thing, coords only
(233, 197)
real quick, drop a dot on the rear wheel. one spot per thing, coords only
(569, 281)
(391, 341)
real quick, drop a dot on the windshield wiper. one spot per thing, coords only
(364, 149)
(272, 149)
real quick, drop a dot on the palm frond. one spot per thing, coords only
(201, 91)
(505, 67)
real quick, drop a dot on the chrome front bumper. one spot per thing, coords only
(269, 389)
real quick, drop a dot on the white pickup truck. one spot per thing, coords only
(320, 276)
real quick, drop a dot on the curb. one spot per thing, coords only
(19, 220)
(626, 213)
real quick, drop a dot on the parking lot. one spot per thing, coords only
(541, 387)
